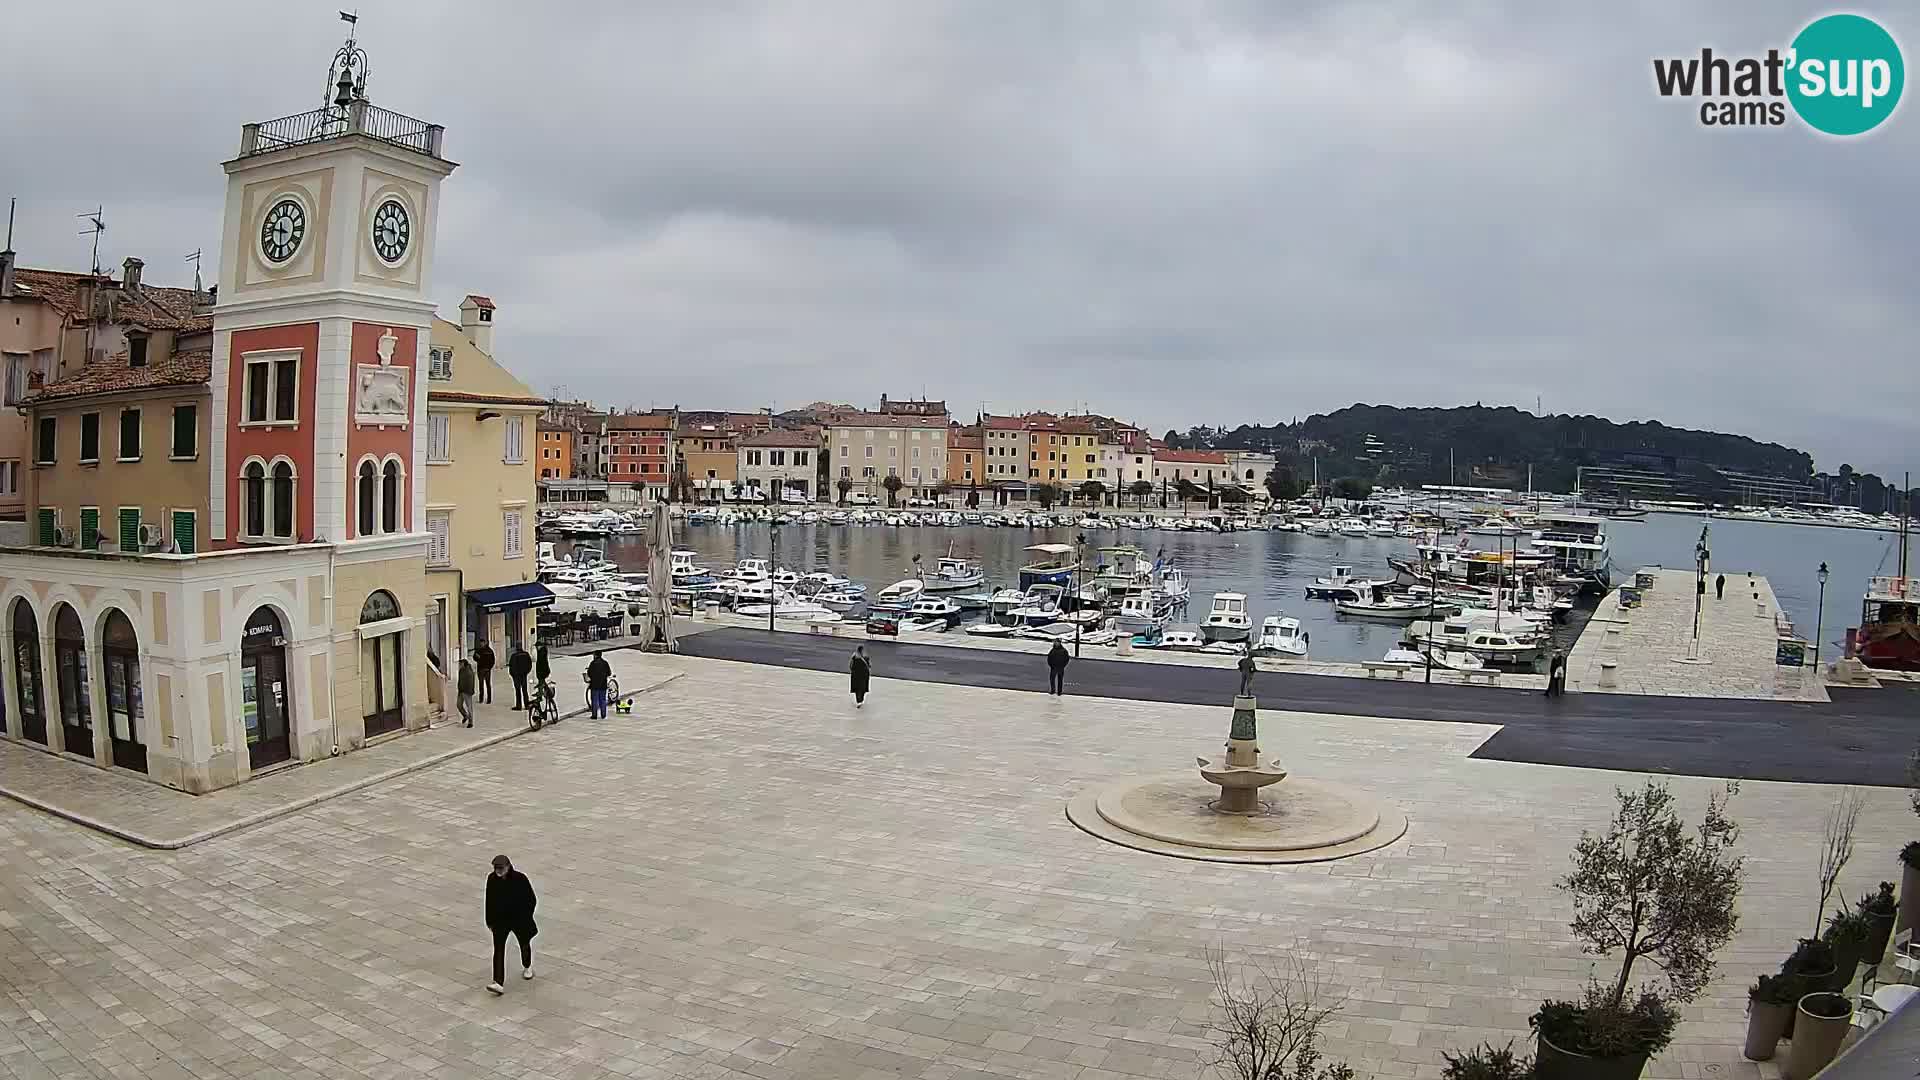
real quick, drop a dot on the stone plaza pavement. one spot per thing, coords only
(750, 878)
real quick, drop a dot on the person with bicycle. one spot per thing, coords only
(598, 674)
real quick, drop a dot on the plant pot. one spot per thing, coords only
(1817, 1038)
(1876, 949)
(1845, 962)
(1553, 1063)
(1766, 1026)
(1909, 897)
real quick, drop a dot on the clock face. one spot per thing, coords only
(280, 234)
(391, 231)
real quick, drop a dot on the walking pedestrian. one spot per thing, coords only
(1556, 674)
(463, 687)
(483, 660)
(861, 671)
(1057, 669)
(1720, 587)
(520, 665)
(598, 672)
(510, 904)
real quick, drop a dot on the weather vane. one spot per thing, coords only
(347, 75)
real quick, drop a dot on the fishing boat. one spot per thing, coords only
(681, 565)
(1889, 633)
(1227, 619)
(1281, 635)
(952, 575)
(1384, 609)
(1173, 585)
(1052, 565)
(1124, 572)
(1342, 585)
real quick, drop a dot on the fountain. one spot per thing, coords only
(1300, 820)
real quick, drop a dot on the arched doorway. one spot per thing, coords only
(382, 663)
(26, 672)
(70, 675)
(265, 705)
(120, 655)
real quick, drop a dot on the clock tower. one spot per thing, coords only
(320, 334)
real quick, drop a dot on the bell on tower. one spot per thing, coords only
(347, 76)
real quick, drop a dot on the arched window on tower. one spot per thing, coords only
(366, 494)
(390, 498)
(283, 500)
(253, 498)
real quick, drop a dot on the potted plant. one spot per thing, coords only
(1823, 1021)
(1813, 960)
(1880, 908)
(1848, 932)
(1648, 886)
(1770, 1004)
(1486, 1063)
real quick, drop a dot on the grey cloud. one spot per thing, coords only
(1183, 213)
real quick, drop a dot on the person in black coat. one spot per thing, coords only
(1720, 587)
(483, 662)
(1057, 660)
(520, 665)
(510, 904)
(861, 672)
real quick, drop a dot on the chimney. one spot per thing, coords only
(130, 275)
(476, 321)
(7, 259)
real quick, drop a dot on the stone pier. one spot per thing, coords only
(1649, 650)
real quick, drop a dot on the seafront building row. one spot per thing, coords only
(900, 451)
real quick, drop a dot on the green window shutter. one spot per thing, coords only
(90, 529)
(129, 528)
(183, 530)
(48, 521)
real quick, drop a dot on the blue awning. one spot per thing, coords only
(526, 594)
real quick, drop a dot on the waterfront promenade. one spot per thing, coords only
(747, 878)
(1862, 736)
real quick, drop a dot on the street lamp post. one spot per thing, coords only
(1819, 617)
(1700, 556)
(773, 562)
(1079, 546)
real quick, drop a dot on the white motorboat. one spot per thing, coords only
(827, 581)
(1001, 604)
(1494, 527)
(898, 596)
(682, 566)
(1039, 606)
(1380, 528)
(953, 575)
(1442, 659)
(923, 625)
(1142, 614)
(1227, 619)
(1353, 526)
(1378, 605)
(1053, 631)
(835, 600)
(1281, 635)
(785, 606)
(935, 607)
(1184, 639)
(1495, 646)
(1173, 585)
(991, 629)
(1342, 585)
(1317, 527)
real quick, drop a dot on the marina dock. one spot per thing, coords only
(1647, 649)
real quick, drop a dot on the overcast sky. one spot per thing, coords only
(1175, 212)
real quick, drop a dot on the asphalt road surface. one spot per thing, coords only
(1861, 737)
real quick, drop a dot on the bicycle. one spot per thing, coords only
(613, 689)
(543, 709)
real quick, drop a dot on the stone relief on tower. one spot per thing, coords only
(382, 396)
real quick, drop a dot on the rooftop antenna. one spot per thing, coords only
(96, 224)
(10, 205)
(194, 258)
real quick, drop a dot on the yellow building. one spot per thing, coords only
(707, 454)
(481, 473)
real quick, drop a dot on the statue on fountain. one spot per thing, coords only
(1246, 672)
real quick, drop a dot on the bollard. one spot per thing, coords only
(1124, 645)
(1607, 668)
(713, 611)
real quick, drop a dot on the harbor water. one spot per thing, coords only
(1273, 569)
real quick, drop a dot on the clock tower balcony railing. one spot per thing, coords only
(333, 122)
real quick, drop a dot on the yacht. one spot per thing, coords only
(1282, 635)
(1227, 619)
(1579, 550)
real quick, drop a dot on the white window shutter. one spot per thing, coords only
(438, 550)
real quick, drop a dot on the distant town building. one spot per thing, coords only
(867, 448)
(783, 462)
(912, 407)
(639, 451)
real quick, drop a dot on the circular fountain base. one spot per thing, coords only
(1299, 820)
